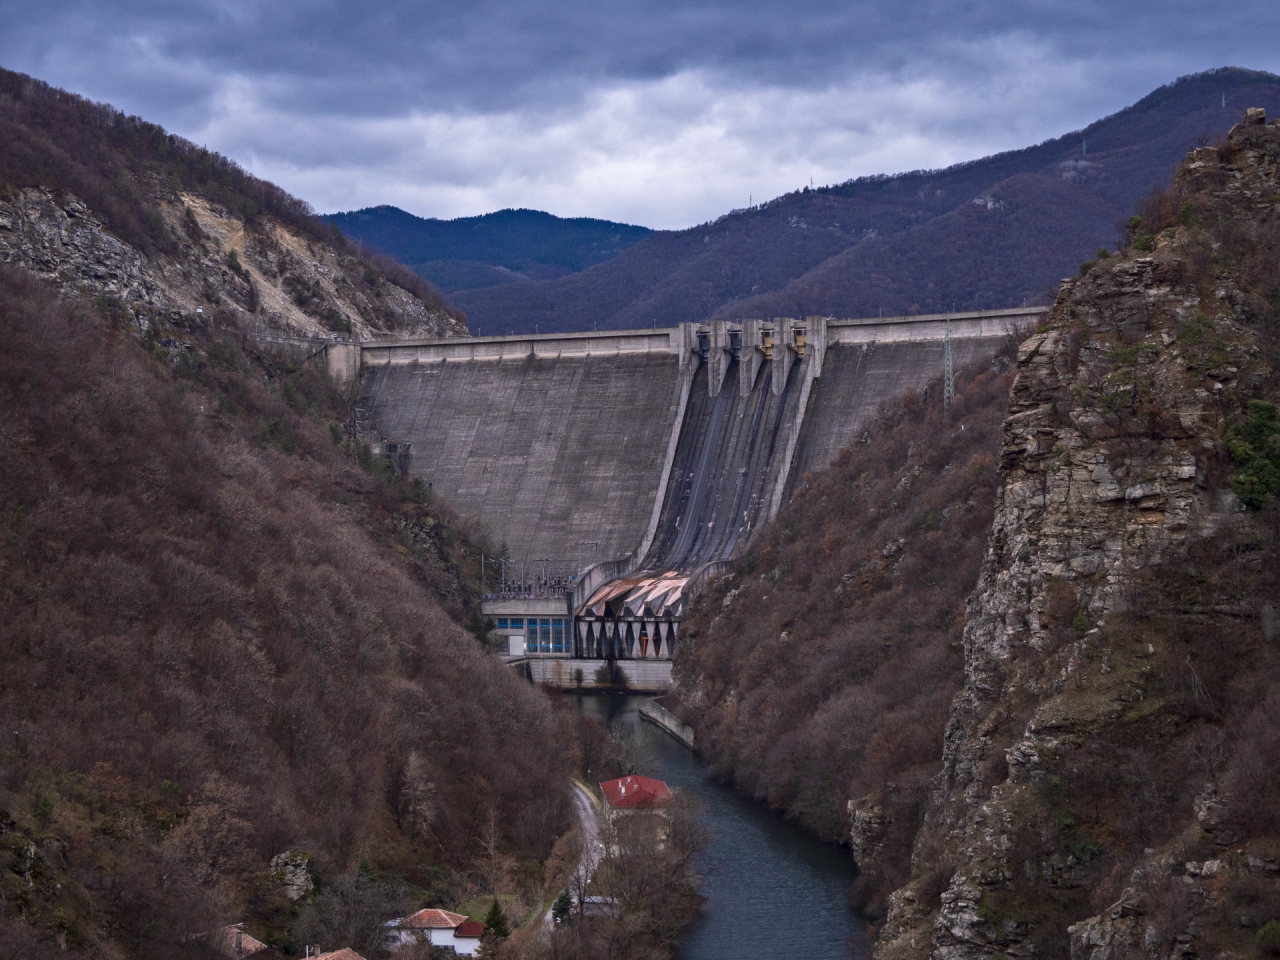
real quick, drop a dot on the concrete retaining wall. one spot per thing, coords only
(659, 715)
(642, 676)
(860, 378)
(671, 446)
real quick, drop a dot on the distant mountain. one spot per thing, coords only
(993, 232)
(498, 248)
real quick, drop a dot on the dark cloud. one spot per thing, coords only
(298, 89)
(491, 55)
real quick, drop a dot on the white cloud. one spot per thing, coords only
(642, 115)
(666, 153)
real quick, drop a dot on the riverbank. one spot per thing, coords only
(771, 889)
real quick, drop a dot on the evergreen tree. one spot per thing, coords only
(562, 909)
(495, 921)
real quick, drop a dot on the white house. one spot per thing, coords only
(440, 928)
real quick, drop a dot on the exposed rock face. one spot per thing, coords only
(65, 243)
(263, 272)
(866, 833)
(293, 872)
(1115, 425)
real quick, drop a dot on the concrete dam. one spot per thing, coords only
(620, 469)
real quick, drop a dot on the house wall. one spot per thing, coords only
(443, 937)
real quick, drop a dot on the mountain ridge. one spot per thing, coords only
(237, 647)
(761, 261)
(505, 246)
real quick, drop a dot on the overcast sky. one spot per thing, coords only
(659, 112)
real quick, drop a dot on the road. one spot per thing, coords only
(587, 810)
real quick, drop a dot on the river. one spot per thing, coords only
(772, 890)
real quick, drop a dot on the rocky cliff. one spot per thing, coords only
(261, 271)
(1108, 785)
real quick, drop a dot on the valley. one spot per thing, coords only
(319, 610)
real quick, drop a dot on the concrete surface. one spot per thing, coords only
(858, 379)
(643, 676)
(660, 716)
(549, 452)
(729, 448)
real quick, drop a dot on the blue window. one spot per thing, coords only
(544, 634)
(502, 623)
(557, 635)
(531, 642)
(517, 623)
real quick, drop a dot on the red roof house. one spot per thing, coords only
(627, 794)
(466, 938)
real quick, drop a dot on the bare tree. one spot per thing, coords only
(419, 795)
(647, 881)
(494, 865)
(630, 748)
(350, 912)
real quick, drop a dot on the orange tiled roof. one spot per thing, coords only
(346, 953)
(471, 928)
(248, 945)
(432, 919)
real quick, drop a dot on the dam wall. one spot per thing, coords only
(648, 450)
(858, 379)
(551, 451)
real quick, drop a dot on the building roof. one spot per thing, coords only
(471, 928)
(636, 791)
(431, 919)
(346, 953)
(244, 946)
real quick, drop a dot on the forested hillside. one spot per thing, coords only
(227, 632)
(989, 233)
(503, 247)
(820, 671)
(1108, 786)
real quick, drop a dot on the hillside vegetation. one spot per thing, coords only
(1080, 762)
(209, 232)
(989, 233)
(820, 671)
(1108, 786)
(228, 632)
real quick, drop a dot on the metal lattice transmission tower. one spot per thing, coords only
(948, 370)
